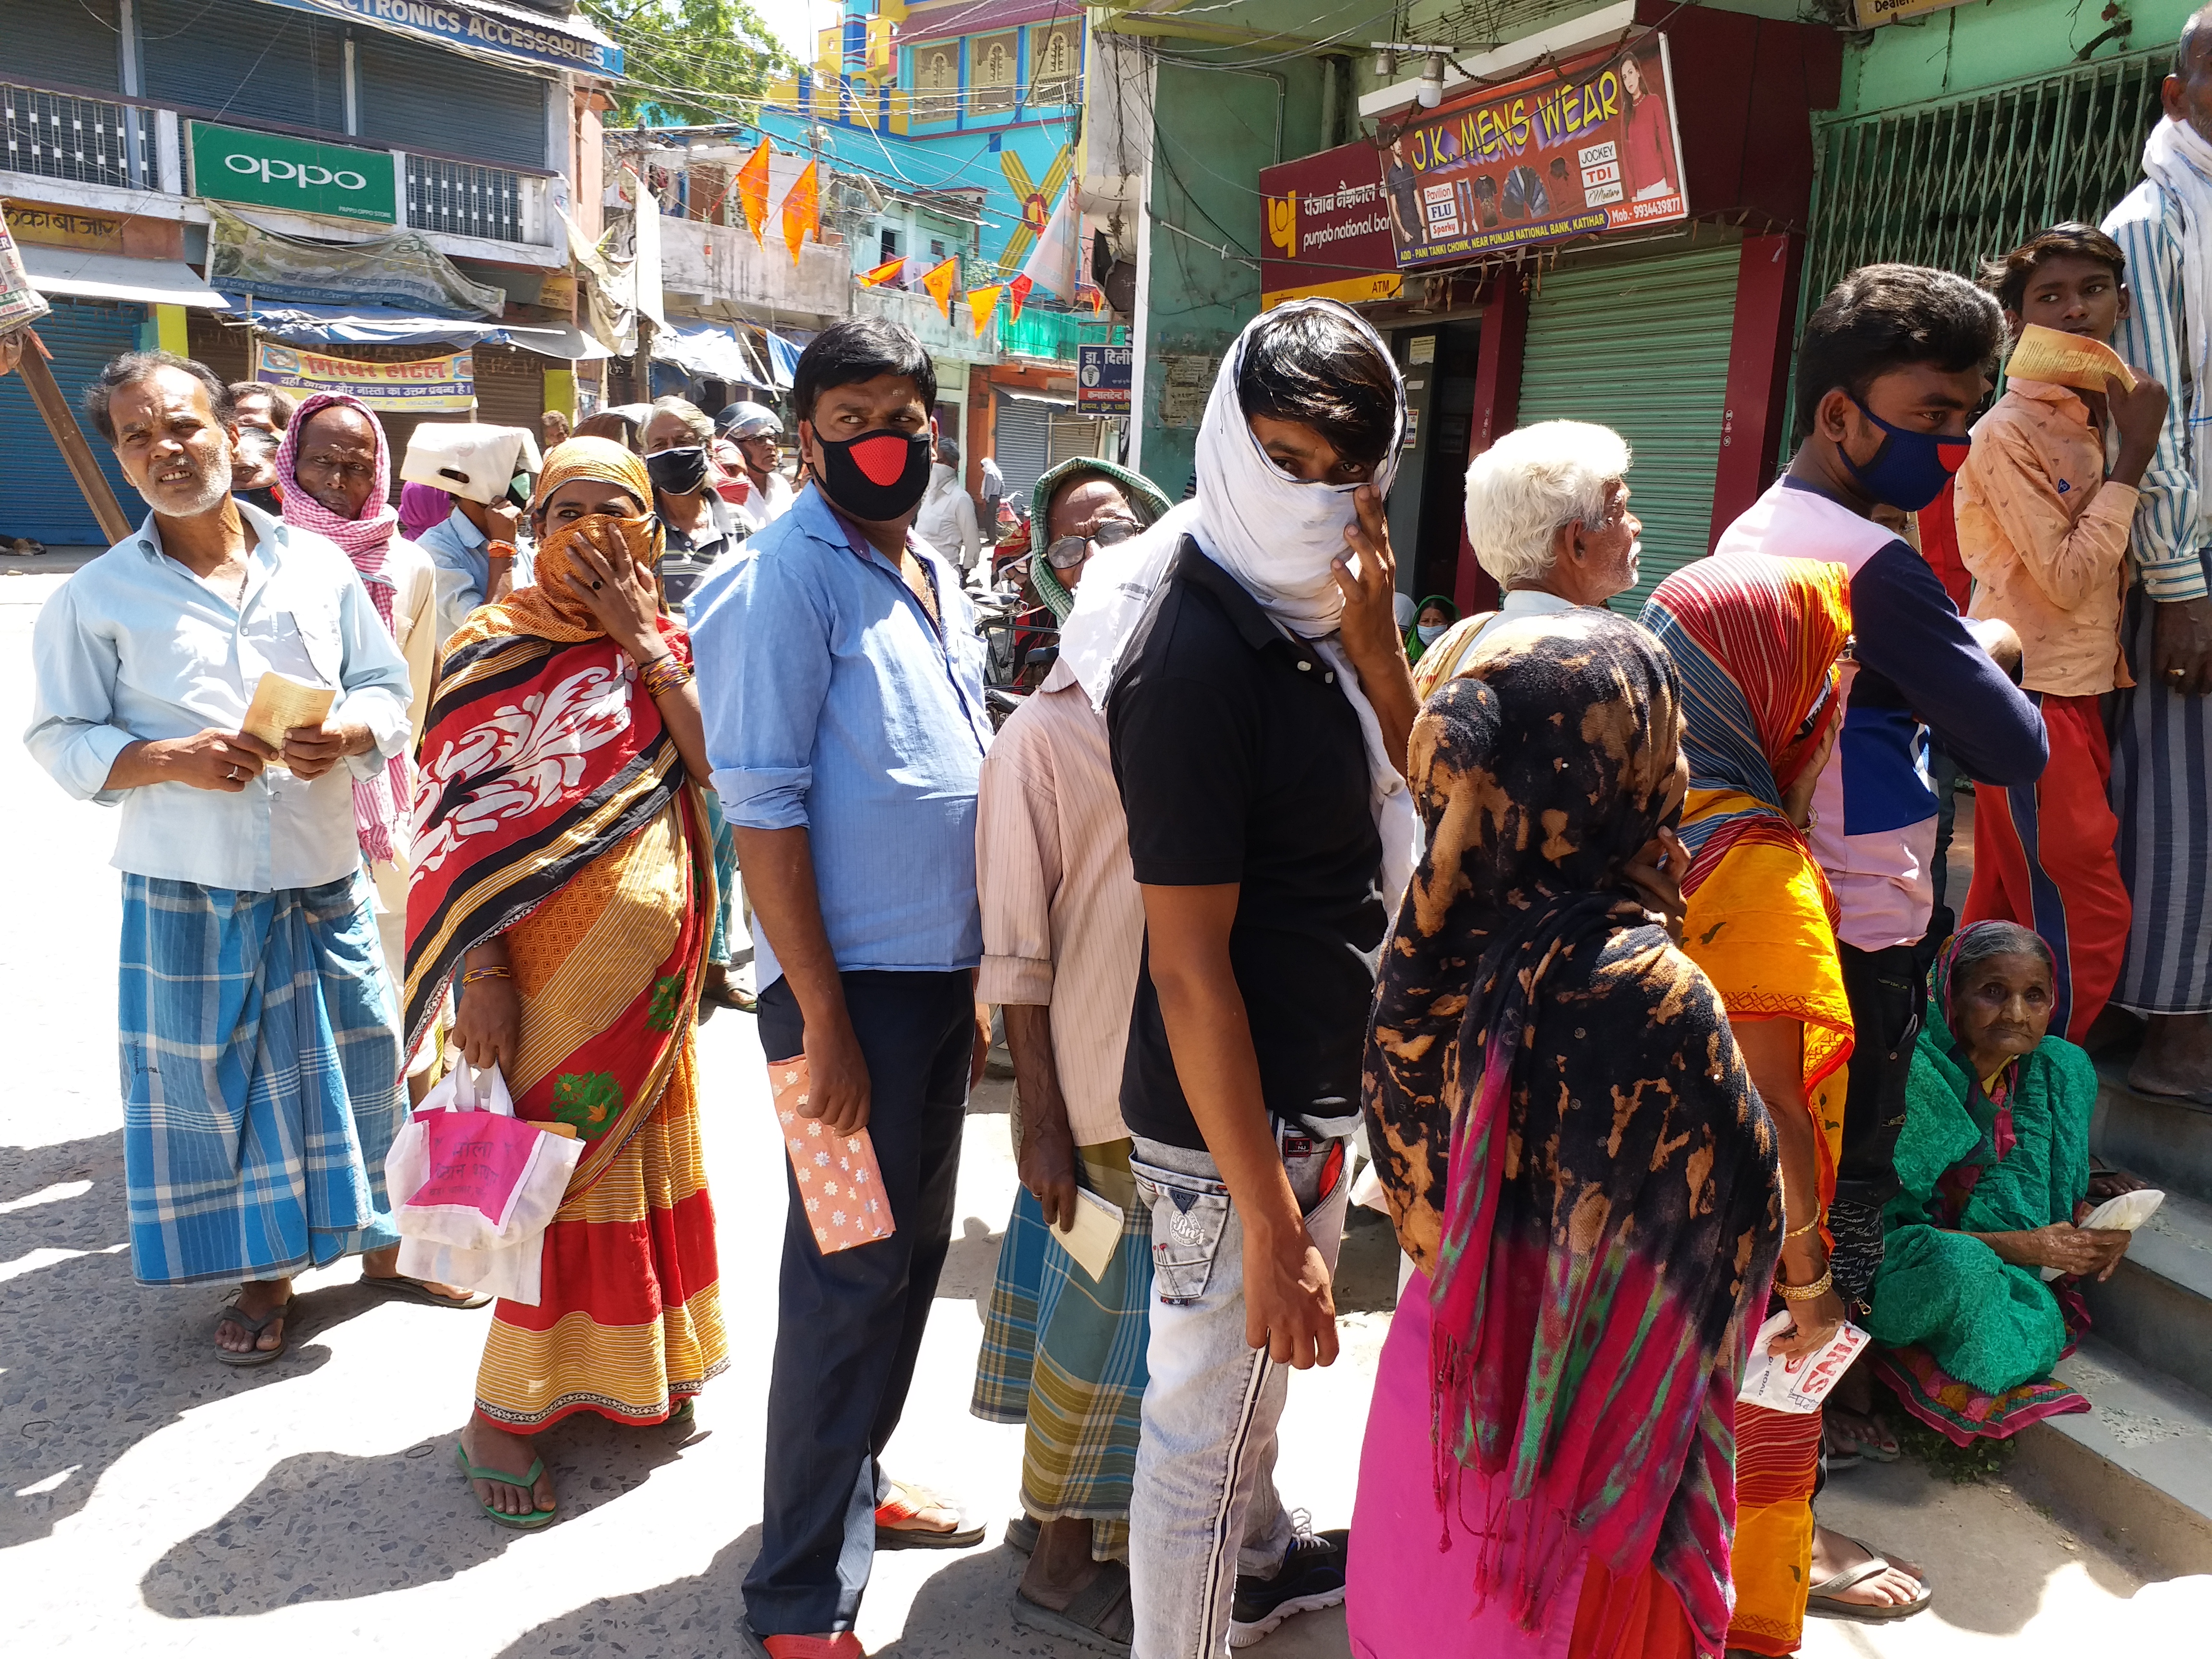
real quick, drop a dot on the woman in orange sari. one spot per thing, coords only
(1757, 642)
(564, 884)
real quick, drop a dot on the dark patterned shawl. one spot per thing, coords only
(1609, 1206)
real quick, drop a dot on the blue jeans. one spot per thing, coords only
(849, 1326)
(1205, 1507)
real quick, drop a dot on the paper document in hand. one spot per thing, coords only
(279, 704)
(2058, 358)
(1796, 1386)
(2122, 1214)
(1095, 1235)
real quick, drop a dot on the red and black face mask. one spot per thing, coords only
(877, 476)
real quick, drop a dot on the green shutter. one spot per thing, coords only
(1642, 347)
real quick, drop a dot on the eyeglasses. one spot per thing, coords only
(1070, 552)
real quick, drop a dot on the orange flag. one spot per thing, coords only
(982, 303)
(752, 189)
(939, 280)
(1017, 291)
(886, 272)
(802, 210)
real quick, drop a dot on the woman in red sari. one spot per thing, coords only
(564, 883)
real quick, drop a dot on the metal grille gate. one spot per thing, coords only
(1954, 182)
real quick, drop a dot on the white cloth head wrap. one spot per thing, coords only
(1278, 536)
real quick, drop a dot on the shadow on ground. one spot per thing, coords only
(78, 1392)
(693, 1618)
(328, 1527)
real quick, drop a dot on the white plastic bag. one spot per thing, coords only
(1796, 1386)
(2124, 1213)
(488, 1194)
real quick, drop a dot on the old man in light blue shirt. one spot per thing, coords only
(259, 1030)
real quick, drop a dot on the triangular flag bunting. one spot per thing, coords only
(886, 272)
(802, 210)
(939, 280)
(1017, 291)
(752, 189)
(982, 303)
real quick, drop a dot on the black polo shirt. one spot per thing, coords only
(1240, 760)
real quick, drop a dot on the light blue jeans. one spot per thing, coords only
(1205, 1507)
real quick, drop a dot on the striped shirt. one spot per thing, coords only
(1063, 922)
(2170, 533)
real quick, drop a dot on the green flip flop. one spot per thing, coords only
(529, 1523)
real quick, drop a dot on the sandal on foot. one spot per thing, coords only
(406, 1289)
(911, 1503)
(843, 1645)
(1881, 1448)
(253, 1328)
(1023, 1532)
(524, 1483)
(1822, 1599)
(1102, 1606)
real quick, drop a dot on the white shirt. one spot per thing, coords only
(946, 520)
(135, 647)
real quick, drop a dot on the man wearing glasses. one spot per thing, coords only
(1063, 924)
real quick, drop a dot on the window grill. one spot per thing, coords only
(80, 139)
(457, 199)
(1952, 184)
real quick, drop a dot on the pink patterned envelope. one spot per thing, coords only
(839, 1181)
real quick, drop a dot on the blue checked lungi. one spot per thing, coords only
(261, 1087)
(726, 878)
(1065, 1354)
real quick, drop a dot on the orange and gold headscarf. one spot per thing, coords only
(549, 607)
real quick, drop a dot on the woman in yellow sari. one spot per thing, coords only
(564, 885)
(1757, 642)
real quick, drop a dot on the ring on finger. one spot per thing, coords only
(597, 584)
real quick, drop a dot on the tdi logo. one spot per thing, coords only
(309, 176)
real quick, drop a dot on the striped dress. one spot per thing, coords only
(2162, 741)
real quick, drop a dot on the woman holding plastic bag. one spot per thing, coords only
(564, 888)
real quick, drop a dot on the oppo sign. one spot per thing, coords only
(267, 169)
(271, 170)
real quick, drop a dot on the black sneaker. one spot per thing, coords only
(1310, 1578)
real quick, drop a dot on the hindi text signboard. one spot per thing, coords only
(1326, 228)
(1101, 379)
(426, 386)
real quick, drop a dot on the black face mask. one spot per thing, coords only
(877, 476)
(678, 472)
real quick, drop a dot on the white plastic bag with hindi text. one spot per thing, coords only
(1796, 1386)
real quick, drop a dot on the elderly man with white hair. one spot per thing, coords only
(1547, 514)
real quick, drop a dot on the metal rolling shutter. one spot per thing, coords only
(41, 500)
(221, 346)
(1070, 435)
(69, 46)
(1643, 348)
(244, 62)
(510, 387)
(413, 95)
(1021, 438)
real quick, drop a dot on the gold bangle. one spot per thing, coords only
(1800, 1232)
(1819, 1287)
(471, 975)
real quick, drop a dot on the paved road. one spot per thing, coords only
(152, 1502)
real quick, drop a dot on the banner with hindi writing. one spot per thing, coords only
(428, 386)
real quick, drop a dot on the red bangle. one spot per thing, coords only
(664, 674)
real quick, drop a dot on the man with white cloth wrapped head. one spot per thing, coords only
(1258, 703)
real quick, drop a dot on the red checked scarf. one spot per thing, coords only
(380, 799)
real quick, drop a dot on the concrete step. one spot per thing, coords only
(2167, 1142)
(2157, 1307)
(2136, 1469)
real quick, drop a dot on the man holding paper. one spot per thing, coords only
(2043, 525)
(1063, 929)
(2161, 753)
(260, 1031)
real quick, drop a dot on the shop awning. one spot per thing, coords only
(782, 358)
(713, 349)
(62, 270)
(305, 324)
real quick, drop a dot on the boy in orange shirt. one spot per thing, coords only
(2044, 505)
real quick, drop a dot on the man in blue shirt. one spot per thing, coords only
(841, 682)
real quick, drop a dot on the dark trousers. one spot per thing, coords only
(849, 1326)
(1884, 987)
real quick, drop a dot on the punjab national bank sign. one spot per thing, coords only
(1324, 230)
(1584, 147)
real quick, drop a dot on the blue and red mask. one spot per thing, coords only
(1910, 470)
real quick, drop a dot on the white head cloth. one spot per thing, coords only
(1278, 536)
